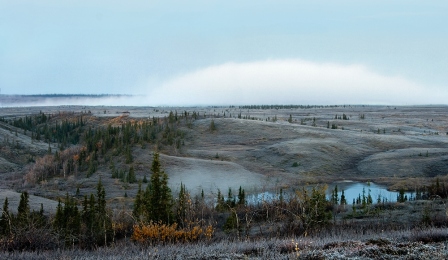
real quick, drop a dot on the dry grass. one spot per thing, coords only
(388, 245)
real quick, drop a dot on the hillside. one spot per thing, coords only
(386, 145)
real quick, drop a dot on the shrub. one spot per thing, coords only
(157, 232)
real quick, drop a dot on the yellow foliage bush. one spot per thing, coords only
(163, 233)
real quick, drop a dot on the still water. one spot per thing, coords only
(352, 190)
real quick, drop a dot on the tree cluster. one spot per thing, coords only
(25, 230)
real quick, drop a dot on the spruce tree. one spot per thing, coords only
(68, 220)
(241, 196)
(138, 210)
(103, 220)
(182, 205)
(5, 220)
(220, 205)
(343, 200)
(159, 195)
(131, 175)
(23, 211)
(59, 217)
(231, 200)
(128, 155)
(88, 216)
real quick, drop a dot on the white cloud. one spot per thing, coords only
(291, 82)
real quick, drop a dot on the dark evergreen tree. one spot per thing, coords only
(68, 221)
(220, 203)
(131, 175)
(102, 217)
(23, 210)
(158, 195)
(181, 207)
(128, 154)
(139, 204)
(58, 221)
(343, 199)
(231, 201)
(5, 220)
(241, 196)
(334, 196)
(96, 219)
(401, 197)
(88, 214)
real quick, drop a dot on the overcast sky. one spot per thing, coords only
(228, 52)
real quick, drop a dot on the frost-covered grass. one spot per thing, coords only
(430, 243)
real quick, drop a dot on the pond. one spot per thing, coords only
(352, 190)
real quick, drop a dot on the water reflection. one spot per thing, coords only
(352, 191)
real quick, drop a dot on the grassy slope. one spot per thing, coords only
(263, 152)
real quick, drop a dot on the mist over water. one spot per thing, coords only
(84, 100)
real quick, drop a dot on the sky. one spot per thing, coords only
(228, 52)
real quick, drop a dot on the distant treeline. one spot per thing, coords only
(73, 95)
(284, 106)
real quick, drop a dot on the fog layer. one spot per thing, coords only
(291, 82)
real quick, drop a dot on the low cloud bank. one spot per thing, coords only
(291, 82)
(28, 101)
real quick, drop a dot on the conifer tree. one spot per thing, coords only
(220, 205)
(138, 210)
(5, 220)
(23, 211)
(334, 197)
(103, 220)
(68, 220)
(343, 199)
(158, 194)
(59, 217)
(131, 175)
(88, 217)
(181, 206)
(231, 201)
(241, 196)
(128, 155)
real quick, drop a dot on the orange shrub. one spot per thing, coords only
(163, 233)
